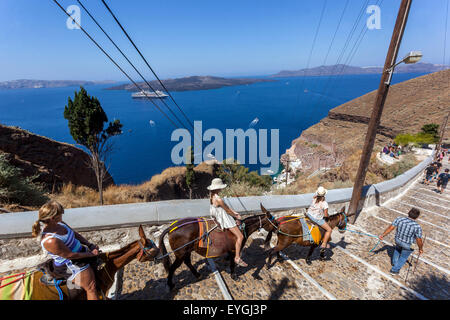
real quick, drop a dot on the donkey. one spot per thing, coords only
(289, 231)
(42, 289)
(184, 236)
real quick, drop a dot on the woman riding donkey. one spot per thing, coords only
(64, 244)
(224, 216)
(316, 213)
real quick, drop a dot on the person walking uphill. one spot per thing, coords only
(408, 230)
(316, 213)
(443, 181)
(64, 244)
(224, 216)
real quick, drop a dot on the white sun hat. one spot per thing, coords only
(216, 184)
(321, 191)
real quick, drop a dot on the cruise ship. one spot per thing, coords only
(148, 94)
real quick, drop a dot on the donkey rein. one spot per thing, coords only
(363, 234)
(184, 245)
(277, 230)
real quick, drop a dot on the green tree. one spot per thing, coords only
(14, 188)
(190, 173)
(232, 172)
(431, 129)
(86, 120)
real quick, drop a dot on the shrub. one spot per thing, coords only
(14, 188)
(432, 129)
(232, 172)
(242, 189)
(398, 168)
(416, 139)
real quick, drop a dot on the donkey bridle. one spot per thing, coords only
(144, 249)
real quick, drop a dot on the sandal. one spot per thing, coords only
(241, 263)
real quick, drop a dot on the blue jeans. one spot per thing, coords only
(400, 256)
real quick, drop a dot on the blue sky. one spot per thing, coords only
(204, 37)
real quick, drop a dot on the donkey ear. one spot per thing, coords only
(141, 232)
(343, 209)
(263, 209)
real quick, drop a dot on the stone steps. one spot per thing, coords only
(437, 234)
(282, 282)
(434, 252)
(381, 259)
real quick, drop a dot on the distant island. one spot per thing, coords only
(345, 69)
(37, 84)
(190, 83)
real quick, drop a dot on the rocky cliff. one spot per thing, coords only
(55, 163)
(409, 106)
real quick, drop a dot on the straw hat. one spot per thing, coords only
(321, 191)
(216, 184)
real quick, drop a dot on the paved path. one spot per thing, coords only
(351, 271)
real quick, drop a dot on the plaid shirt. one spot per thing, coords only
(407, 230)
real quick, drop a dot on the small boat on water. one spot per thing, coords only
(147, 94)
(254, 122)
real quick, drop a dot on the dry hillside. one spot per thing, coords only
(409, 106)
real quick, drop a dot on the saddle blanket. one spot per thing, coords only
(215, 241)
(310, 231)
(29, 288)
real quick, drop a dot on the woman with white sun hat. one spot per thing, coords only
(224, 216)
(316, 213)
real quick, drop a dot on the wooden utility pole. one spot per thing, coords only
(383, 90)
(287, 174)
(441, 136)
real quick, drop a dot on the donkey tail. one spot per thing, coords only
(162, 247)
(267, 241)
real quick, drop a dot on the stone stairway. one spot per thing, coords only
(350, 272)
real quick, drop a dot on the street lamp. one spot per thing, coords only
(410, 58)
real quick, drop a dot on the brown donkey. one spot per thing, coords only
(142, 250)
(289, 230)
(184, 236)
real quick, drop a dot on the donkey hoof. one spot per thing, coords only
(308, 262)
(199, 276)
(234, 277)
(322, 254)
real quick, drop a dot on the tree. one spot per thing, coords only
(190, 173)
(431, 129)
(16, 188)
(87, 120)
(231, 171)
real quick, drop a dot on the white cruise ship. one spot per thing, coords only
(148, 94)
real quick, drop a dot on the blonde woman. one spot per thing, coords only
(64, 244)
(316, 213)
(224, 216)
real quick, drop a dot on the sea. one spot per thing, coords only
(144, 149)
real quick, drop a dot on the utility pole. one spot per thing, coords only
(441, 137)
(383, 90)
(287, 169)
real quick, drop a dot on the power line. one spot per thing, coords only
(313, 45)
(336, 66)
(334, 37)
(355, 48)
(112, 60)
(445, 36)
(145, 60)
(126, 58)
